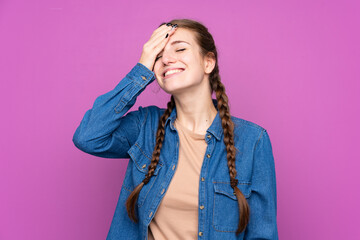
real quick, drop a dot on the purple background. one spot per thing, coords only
(289, 66)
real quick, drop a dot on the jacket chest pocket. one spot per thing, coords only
(226, 207)
(141, 161)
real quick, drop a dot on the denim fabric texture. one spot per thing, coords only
(108, 130)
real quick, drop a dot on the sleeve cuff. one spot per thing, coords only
(141, 75)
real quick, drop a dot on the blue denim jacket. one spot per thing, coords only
(107, 131)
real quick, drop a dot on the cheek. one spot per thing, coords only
(157, 72)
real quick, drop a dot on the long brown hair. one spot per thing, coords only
(207, 45)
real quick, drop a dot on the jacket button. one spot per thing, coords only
(143, 166)
(202, 179)
(162, 192)
(144, 78)
(173, 167)
(201, 207)
(208, 156)
(208, 136)
(200, 233)
(150, 214)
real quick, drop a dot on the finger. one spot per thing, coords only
(160, 29)
(160, 44)
(162, 37)
(155, 42)
(162, 24)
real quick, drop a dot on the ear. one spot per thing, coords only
(209, 62)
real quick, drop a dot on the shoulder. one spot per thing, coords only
(242, 122)
(151, 115)
(153, 111)
(247, 130)
(248, 136)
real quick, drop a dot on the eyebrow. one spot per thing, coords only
(178, 41)
(175, 42)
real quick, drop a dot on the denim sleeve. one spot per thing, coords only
(105, 130)
(263, 200)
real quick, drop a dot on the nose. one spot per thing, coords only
(168, 57)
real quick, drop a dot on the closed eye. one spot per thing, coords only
(180, 50)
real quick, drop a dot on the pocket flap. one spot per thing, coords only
(142, 159)
(225, 188)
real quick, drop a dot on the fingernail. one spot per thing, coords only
(162, 24)
(168, 24)
(175, 26)
(166, 35)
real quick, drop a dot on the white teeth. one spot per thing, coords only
(173, 71)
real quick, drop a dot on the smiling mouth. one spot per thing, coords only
(173, 74)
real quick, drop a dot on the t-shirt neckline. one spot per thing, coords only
(189, 132)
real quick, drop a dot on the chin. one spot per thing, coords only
(173, 90)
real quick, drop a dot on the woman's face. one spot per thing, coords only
(181, 52)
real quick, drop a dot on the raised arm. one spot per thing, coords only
(105, 130)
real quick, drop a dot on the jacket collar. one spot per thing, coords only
(215, 128)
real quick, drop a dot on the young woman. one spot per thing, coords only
(195, 171)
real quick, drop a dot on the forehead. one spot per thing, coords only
(181, 36)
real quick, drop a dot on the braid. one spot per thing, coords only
(160, 138)
(160, 134)
(228, 129)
